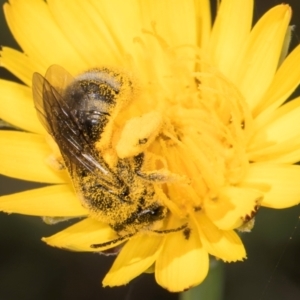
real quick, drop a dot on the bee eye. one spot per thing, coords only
(125, 192)
(152, 214)
(158, 213)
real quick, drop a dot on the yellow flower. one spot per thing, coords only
(207, 104)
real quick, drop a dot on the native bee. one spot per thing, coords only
(76, 112)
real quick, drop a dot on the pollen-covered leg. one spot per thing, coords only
(138, 133)
(157, 169)
(162, 176)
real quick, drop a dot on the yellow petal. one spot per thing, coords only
(225, 245)
(286, 44)
(279, 139)
(23, 156)
(41, 41)
(133, 16)
(281, 88)
(258, 63)
(174, 20)
(82, 235)
(282, 182)
(136, 256)
(18, 63)
(88, 20)
(284, 152)
(203, 20)
(51, 201)
(16, 106)
(138, 35)
(229, 33)
(283, 125)
(183, 262)
(233, 207)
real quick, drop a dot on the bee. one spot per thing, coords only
(77, 113)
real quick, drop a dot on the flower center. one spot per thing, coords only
(206, 138)
(206, 123)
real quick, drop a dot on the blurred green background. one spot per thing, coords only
(31, 270)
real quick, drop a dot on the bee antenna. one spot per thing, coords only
(112, 242)
(171, 230)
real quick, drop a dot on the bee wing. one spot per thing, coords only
(58, 78)
(55, 115)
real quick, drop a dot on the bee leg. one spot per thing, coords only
(182, 227)
(112, 242)
(162, 176)
(159, 176)
(138, 133)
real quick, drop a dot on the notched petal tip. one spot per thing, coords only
(189, 256)
(225, 245)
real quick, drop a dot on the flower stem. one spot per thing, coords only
(211, 288)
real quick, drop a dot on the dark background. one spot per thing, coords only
(31, 270)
